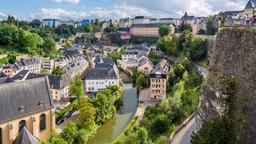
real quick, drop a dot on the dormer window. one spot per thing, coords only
(21, 108)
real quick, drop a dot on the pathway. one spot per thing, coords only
(184, 135)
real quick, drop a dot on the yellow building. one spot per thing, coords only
(158, 83)
(26, 110)
(148, 30)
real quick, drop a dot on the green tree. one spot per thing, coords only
(56, 139)
(198, 49)
(58, 71)
(12, 59)
(77, 87)
(35, 23)
(164, 30)
(168, 45)
(104, 104)
(68, 44)
(218, 131)
(210, 30)
(89, 28)
(49, 45)
(87, 112)
(185, 27)
(11, 20)
(8, 34)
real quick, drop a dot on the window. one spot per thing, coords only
(22, 124)
(42, 123)
(1, 136)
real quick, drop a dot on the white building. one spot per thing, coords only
(100, 77)
(31, 64)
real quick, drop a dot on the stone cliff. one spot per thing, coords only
(230, 88)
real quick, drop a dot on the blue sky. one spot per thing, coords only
(113, 9)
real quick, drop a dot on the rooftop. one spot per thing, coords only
(23, 98)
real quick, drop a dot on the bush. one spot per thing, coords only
(218, 131)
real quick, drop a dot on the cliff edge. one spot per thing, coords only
(230, 88)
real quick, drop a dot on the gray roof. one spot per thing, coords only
(56, 82)
(27, 61)
(145, 61)
(4, 80)
(21, 75)
(101, 73)
(23, 98)
(250, 4)
(2, 74)
(100, 59)
(149, 25)
(25, 137)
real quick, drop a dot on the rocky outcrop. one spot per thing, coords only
(230, 88)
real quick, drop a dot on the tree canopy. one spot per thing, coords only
(164, 30)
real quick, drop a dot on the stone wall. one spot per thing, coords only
(230, 88)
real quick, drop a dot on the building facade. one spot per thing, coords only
(26, 104)
(31, 64)
(148, 30)
(51, 23)
(158, 83)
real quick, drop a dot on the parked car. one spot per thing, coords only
(60, 121)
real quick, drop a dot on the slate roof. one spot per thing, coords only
(100, 59)
(27, 61)
(250, 4)
(25, 137)
(21, 75)
(101, 73)
(2, 75)
(145, 61)
(4, 80)
(56, 82)
(157, 73)
(149, 25)
(23, 98)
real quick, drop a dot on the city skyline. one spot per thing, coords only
(113, 9)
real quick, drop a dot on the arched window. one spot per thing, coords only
(1, 136)
(42, 122)
(22, 124)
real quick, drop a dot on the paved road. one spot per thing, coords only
(184, 135)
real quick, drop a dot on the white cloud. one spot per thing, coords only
(176, 8)
(131, 8)
(2, 16)
(59, 14)
(70, 1)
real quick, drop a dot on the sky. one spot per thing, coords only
(113, 9)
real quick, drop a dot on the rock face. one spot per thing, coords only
(230, 88)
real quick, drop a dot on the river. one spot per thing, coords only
(116, 125)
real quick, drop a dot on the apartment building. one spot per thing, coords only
(31, 64)
(158, 83)
(148, 29)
